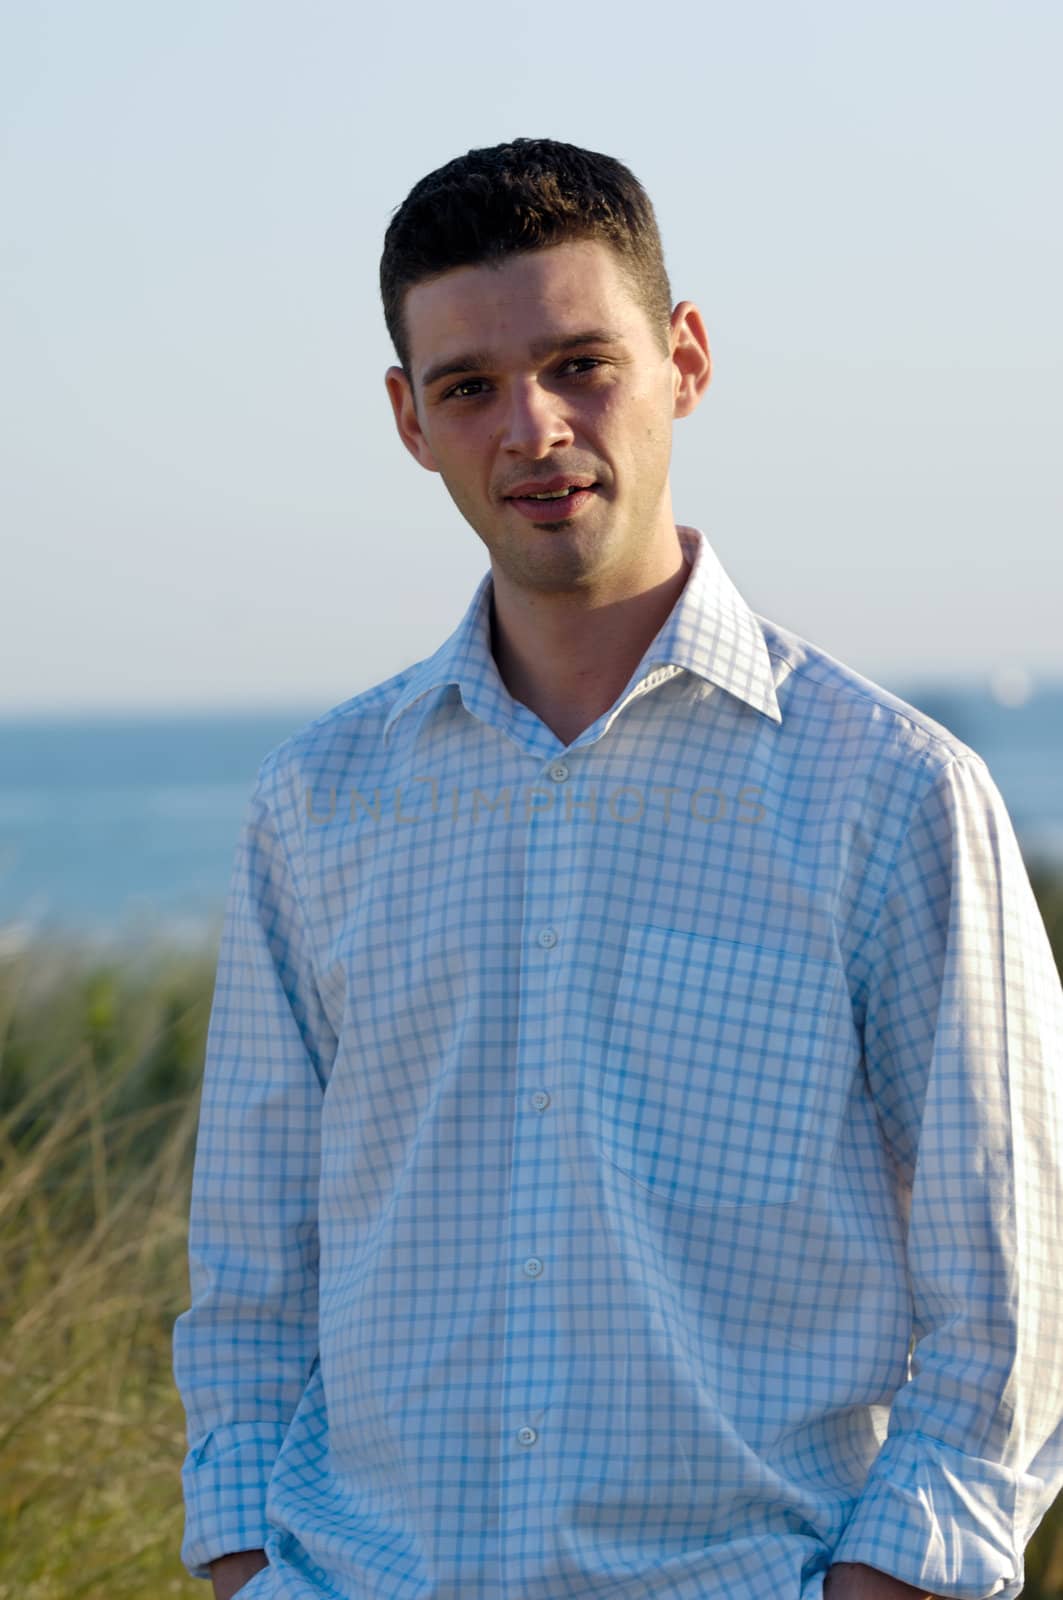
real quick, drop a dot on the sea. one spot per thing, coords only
(117, 831)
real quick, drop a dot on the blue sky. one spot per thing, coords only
(202, 497)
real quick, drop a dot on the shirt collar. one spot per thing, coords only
(710, 632)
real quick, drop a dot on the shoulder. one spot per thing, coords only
(345, 739)
(873, 769)
(895, 801)
(839, 716)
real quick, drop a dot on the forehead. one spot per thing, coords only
(524, 298)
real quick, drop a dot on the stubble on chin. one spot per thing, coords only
(557, 565)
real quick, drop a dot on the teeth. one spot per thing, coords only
(557, 494)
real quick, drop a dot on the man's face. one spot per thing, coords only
(540, 376)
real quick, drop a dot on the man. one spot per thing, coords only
(629, 1157)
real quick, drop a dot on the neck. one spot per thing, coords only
(568, 656)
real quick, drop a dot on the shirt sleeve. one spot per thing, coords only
(962, 1036)
(244, 1350)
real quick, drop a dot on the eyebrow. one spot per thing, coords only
(539, 349)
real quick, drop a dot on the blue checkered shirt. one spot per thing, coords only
(627, 1169)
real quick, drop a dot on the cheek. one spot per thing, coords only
(466, 474)
(645, 427)
(463, 451)
(638, 413)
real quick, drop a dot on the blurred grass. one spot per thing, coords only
(100, 1063)
(99, 1069)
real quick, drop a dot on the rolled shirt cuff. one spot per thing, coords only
(225, 1477)
(949, 1523)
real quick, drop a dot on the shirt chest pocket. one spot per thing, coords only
(724, 1067)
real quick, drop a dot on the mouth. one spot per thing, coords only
(556, 501)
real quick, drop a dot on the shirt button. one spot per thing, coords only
(559, 772)
(547, 938)
(533, 1267)
(526, 1436)
(540, 1099)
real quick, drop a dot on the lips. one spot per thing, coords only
(535, 488)
(554, 506)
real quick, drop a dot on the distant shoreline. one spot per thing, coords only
(118, 832)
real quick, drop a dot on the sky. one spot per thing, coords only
(203, 500)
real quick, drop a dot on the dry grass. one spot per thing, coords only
(96, 1134)
(99, 1068)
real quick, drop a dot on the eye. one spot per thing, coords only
(582, 364)
(461, 391)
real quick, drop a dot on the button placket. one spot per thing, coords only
(535, 1297)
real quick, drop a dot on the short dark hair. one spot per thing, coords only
(526, 195)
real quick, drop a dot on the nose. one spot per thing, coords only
(535, 422)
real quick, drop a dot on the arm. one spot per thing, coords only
(244, 1350)
(850, 1581)
(962, 1033)
(230, 1573)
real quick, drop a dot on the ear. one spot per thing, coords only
(407, 420)
(691, 358)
